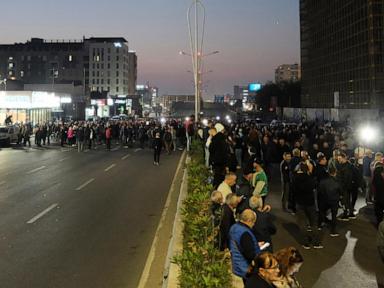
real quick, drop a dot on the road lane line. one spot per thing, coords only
(152, 252)
(38, 216)
(109, 167)
(138, 149)
(85, 184)
(35, 170)
(125, 157)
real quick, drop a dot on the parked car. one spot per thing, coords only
(9, 134)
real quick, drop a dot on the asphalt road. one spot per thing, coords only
(70, 219)
(350, 260)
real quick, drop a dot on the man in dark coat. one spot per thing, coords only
(218, 155)
(344, 176)
(329, 194)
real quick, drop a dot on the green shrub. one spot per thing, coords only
(201, 264)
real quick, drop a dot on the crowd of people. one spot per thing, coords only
(86, 135)
(322, 171)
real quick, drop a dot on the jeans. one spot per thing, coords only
(284, 194)
(368, 189)
(323, 208)
(239, 156)
(307, 218)
(156, 155)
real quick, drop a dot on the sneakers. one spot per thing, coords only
(352, 216)
(318, 246)
(306, 246)
(344, 218)
(334, 234)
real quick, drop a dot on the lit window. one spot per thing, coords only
(10, 58)
(97, 58)
(21, 73)
(70, 58)
(10, 65)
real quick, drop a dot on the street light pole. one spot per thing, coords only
(196, 49)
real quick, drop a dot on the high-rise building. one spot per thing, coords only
(342, 47)
(43, 62)
(99, 64)
(287, 72)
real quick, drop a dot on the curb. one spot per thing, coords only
(171, 270)
(152, 253)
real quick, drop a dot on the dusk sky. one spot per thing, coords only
(253, 36)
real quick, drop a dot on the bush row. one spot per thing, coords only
(201, 263)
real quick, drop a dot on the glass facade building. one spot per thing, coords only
(342, 47)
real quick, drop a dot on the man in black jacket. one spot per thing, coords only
(244, 190)
(329, 194)
(218, 155)
(303, 185)
(344, 176)
(227, 219)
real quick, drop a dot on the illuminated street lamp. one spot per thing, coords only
(368, 134)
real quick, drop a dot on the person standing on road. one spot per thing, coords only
(227, 219)
(80, 138)
(168, 140)
(225, 187)
(329, 191)
(157, 144)
(345, 178)
(303, 185)
(27, 136)
(285, 179)
(260, 180)
(218, 155)
(108, 136)
(243, 244)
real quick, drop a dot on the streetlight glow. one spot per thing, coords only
(368, 134)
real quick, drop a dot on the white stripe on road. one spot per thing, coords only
(138, 149)
(125, 157)
(35, 170)
(115, 149)
(109, 167)
(85, 184)
(34, 219)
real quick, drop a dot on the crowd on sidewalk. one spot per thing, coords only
(322, 171)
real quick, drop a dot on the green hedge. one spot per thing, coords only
(201, 264)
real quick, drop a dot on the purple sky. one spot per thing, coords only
(253, 36)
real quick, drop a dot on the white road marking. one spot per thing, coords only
(35, 170)
(152, 252)
(61, 160)
(2, 183)
(85, 184)
(109, 167)
(38, 216)
(114, 149)
(138, 149)
(125, 157)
